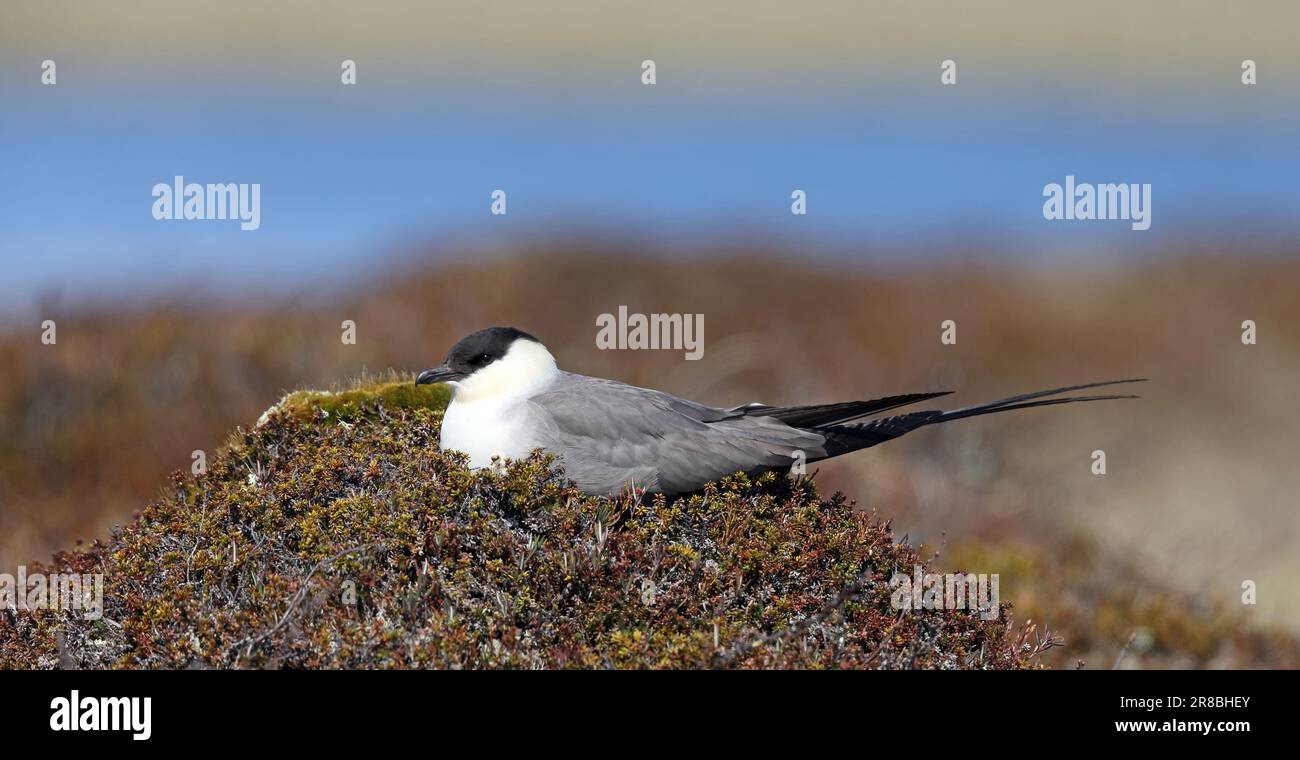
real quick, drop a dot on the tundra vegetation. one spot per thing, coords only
(334, 533)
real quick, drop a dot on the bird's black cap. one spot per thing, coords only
(473, 352)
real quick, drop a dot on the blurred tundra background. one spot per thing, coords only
(924, 205)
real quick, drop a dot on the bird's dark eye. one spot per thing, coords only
(482, 359)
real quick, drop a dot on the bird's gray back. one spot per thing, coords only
(608, 434)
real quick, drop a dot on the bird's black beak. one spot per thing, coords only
(440, 374)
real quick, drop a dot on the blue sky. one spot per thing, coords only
(344, 182)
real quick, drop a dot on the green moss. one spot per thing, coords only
(366, 399)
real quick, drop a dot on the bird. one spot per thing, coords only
(510, 398)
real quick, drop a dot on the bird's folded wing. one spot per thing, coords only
(608, 433)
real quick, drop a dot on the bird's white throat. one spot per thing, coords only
(526, 368)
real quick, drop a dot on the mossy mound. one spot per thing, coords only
(335, 534)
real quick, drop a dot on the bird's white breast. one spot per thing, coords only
(489, 413)
(487, 428)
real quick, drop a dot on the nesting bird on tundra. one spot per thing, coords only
(509, 398)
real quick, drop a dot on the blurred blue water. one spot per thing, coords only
(345, 183)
